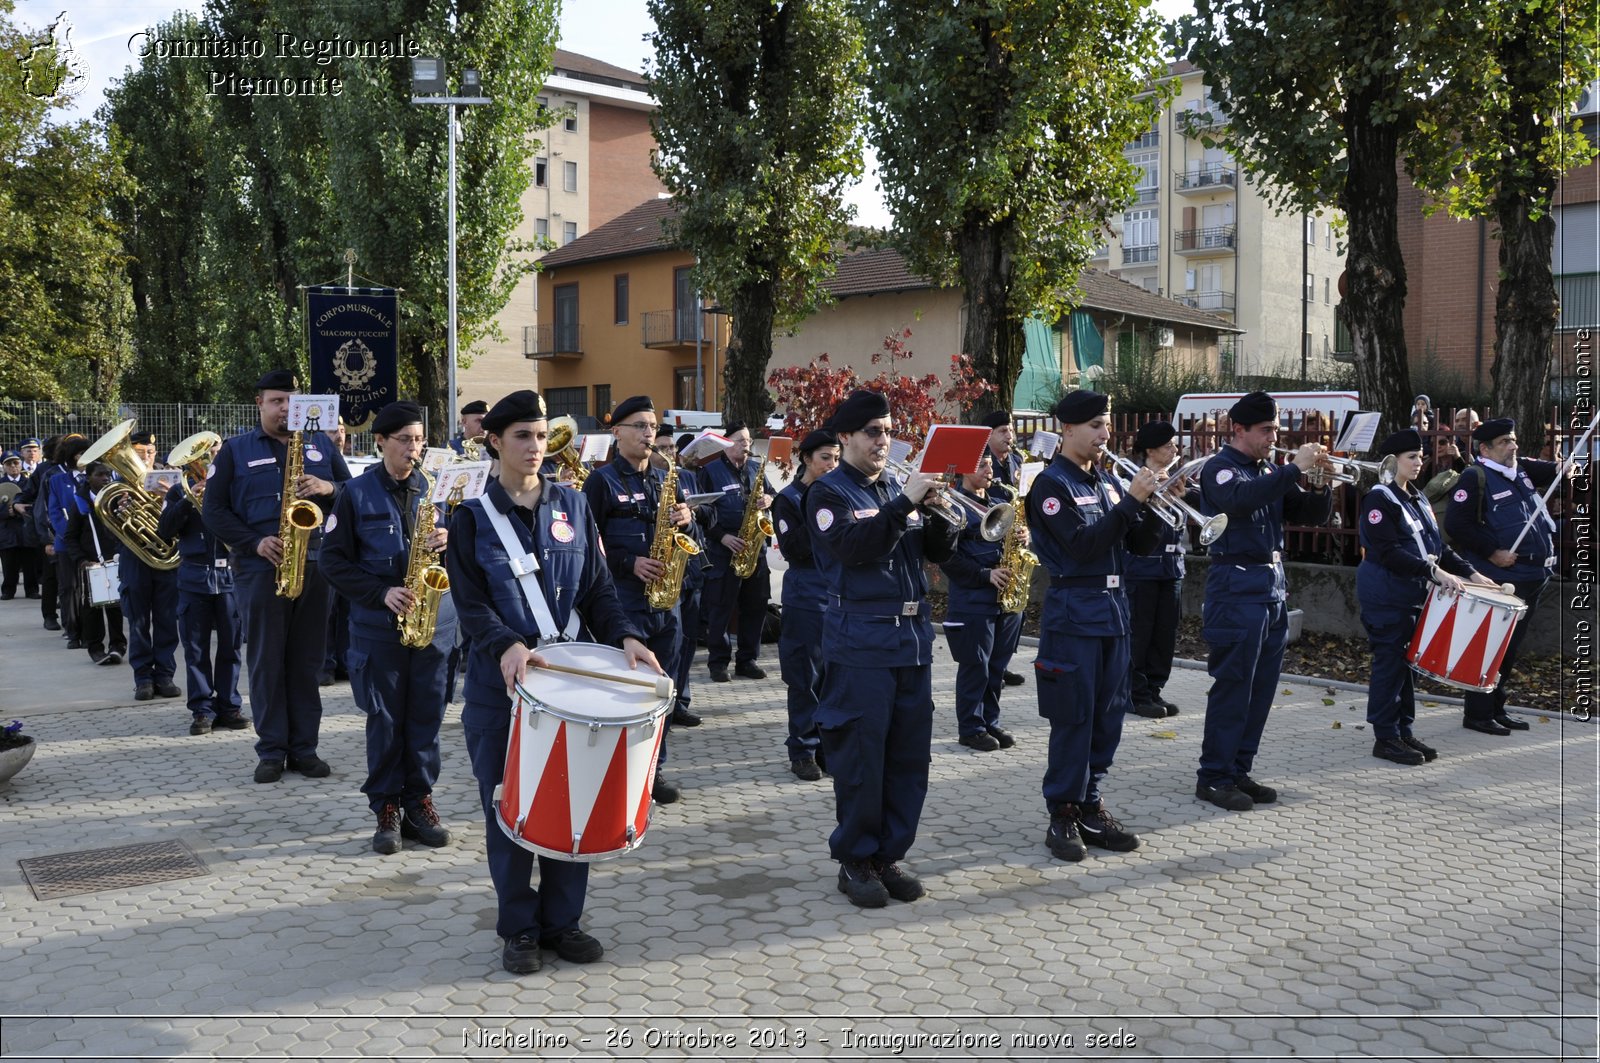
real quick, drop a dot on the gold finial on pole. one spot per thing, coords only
(349, 267)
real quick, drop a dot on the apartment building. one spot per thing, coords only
(1201, 233)
(591, 166)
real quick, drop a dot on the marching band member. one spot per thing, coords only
(1155, 585)
(206, 606)
(1082, 521)
(150, 606)
(981, 637)
(875, 713)
(1246, 620)
(624, 495)
(1487, 511)
(16, 556)
(1402, 551)
(34, 502)
(552, 523)
(86, 542)
(32, 454)
(63, 487)
(800, 657)
(733, 473)
(1007, 461)
(693, 578)
(366, 558)
(471, 424)
(287, 636)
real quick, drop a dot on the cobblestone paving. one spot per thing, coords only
(1374, 912)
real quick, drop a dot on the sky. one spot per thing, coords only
(611, 30)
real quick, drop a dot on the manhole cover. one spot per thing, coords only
(93, 870)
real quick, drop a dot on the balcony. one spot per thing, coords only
(552, 341)
(1147, 194)
(1218, 302)
(665, 329)
(1200, 116)
(1217, 240)
(1210, 178)
(1133, 255)
(1143, 141)
(1099, 253)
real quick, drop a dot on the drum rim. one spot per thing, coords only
(1493, 596)
(645, 712)
(571, 715)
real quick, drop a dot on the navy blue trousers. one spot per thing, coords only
(982, 647)
(556, 904)
(689, 624)
(1246, 641)
(151, 611)
(877, 727)
(1082, 683)
(287, 639)
(724, 592)
(213, 680)
(801, 662)
(1487, 705)
(333, 661)
(660, 630)
(1391, 696)
(1154, 607)
(402, 692)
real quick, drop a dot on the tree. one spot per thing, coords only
(999, 127)
(758, 128)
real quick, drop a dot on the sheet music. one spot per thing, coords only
(1359, 432)
(313, 413)
(473, 476)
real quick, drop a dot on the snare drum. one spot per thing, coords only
(581, 761)
(1462, 638)
(102, 582)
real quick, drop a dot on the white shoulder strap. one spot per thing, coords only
(1411, 522)
(526, 567)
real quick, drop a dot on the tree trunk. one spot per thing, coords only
(1375, 305)
(432, 383)
(993, 334)
(744, 377)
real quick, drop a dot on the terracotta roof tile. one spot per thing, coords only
(637, 231)
(584, 68)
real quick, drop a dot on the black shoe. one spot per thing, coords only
(521, 955)
(1397, 751)
(750, 670)
(983, 742)
(574, 946)
(720, 675)
(52, 625)
(231, 721)
(1172, 709)
(898, 883)
(34, 594)
(102, 657)
(200, 726)
(1427, 751)
(858, 882)
(386, 839)
(120, 649)
(684, 718)
(1486, 727)
(269, 771)
(144, 692)
(806, 768)
(113, 657)
(1150, 710)
(1511, 723)
(325, 679)
(665, 792)
(1063, 839)
(1011, 678)
(1097, 828)
(312, 767)
(421, 823)
(1257, 792)
(1003, 736)
(168, 689)
(1226, 796)
(74, 644)
(6, 596)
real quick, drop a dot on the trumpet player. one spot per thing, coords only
(150, 606)
(1246, 619)
(1155, 583)
(366, 558)
(287, 636)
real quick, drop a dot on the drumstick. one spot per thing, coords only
(661, 684)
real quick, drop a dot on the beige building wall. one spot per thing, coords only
(850, 331)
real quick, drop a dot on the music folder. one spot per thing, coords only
(953, 448)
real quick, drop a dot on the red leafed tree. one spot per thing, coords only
(810, 392)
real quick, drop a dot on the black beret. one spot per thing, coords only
(1402, 442)
(276, 380)
(685, 439)
(517, 406)
(141, 439)
(1254, 408)
(396, 416)
(820, 437)
(733, 428)
(476, 406)
(663, 429)
(1079, 406)
(853, 413)
(1489, 431)
(630, 406)
(1154, 434)
(997, 419)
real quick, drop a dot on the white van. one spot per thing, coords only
(692, 420)
(1292, 407)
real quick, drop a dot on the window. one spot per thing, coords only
(1311, 231)
(1148, 164)
(541, 173)
(569, 232)
(544, 101)
(569, 176)
(683, 388)
(572, 402)
(619, 286)
(1327, 237)
(570, 123)
(541, 228)
(1580, 300)
(1327, 291)
(1140, 228)
(602, 400)
(566, 322)
(1311, 288)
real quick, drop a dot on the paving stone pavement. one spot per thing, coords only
(1444, 912)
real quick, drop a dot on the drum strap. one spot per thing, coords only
(1412, 524)
(99, 554)
(526, 565)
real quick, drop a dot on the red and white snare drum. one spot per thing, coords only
(581, 761)
(1462, 638)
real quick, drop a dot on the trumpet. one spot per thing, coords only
(563, 447)
(994, 520)
(193, 456)
(1347, 470)
(1175, 510)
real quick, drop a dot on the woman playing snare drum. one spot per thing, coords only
(552, 524)
(1402, 553)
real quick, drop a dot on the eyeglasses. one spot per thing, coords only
(876, 431)
(640, 426)
(409, 441)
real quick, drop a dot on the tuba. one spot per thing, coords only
(563, 447)
(425, 577)
(131, 511)
(670, 547)
(755, 527)
(193, 456)
(298, 519)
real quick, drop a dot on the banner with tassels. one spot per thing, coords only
(353, 342)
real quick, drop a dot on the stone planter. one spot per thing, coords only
(15, 759)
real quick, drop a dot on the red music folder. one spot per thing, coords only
(953, 448)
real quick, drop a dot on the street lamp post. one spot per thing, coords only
(428, 85)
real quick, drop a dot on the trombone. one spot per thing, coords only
(1347, 470)
(1175, 510)
(994, 521)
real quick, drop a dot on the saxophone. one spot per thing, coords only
(297, 520)
(755, 527)
(425, 577)
(1019, 560)
(670, 547)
